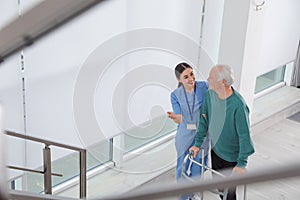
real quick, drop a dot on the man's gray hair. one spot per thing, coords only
(225, 73)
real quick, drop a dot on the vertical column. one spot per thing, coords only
(240, 44)
(3, 179)
(118, 150)
(47, 170)
(233, 36)
(252, 54)
(24, 179)
(82, 175)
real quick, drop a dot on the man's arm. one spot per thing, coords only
(202, 127)
(243, 129)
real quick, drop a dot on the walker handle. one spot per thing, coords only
(191, 154)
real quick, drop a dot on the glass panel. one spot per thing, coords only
(99, 153)
(35, 182)
(28, 181)
(68, 165)
(269, 79)
(135, 139)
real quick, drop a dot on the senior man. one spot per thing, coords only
(224, 115)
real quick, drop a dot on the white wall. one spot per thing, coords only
(54, 64)
(177, 15)
(233, 34)
(212, 33)
(3, 178)
(280, 35)
(271, 41)
(11, 99)
(9, 13)
(11, 96)
(62, 54)
(253, 45)
(253, 41)
(98, 45)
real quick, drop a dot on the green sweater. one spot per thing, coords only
(227, 122)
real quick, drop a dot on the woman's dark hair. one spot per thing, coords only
(179, 69)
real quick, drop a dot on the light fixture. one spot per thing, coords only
(258, 4)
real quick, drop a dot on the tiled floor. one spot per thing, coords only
(276, 140)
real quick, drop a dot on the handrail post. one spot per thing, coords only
(82, 175)
(47, 162)
(47, 170)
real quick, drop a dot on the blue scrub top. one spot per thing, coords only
(185, 138)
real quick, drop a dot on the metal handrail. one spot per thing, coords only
(159, 191)
(14, 194)
(25, 30)
(31, 170)
(46, 142)
(47, 162)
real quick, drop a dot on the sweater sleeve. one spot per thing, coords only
(243, 130)
(202, 126)
(175, 104)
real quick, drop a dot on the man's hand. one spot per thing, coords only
(177, 118)
(239, 170)
(195, 150)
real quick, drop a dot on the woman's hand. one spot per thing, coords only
(177, 118)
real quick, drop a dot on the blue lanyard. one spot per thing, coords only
(187, 102)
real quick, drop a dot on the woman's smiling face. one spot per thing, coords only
(187, 78)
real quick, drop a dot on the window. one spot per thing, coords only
(269, 79)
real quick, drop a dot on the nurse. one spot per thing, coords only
(186, 101)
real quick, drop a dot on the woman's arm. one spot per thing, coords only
(176, 114)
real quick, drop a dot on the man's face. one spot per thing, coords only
(213, 80)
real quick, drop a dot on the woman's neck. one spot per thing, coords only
(189, 89)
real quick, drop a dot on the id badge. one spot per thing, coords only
(191, 127)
